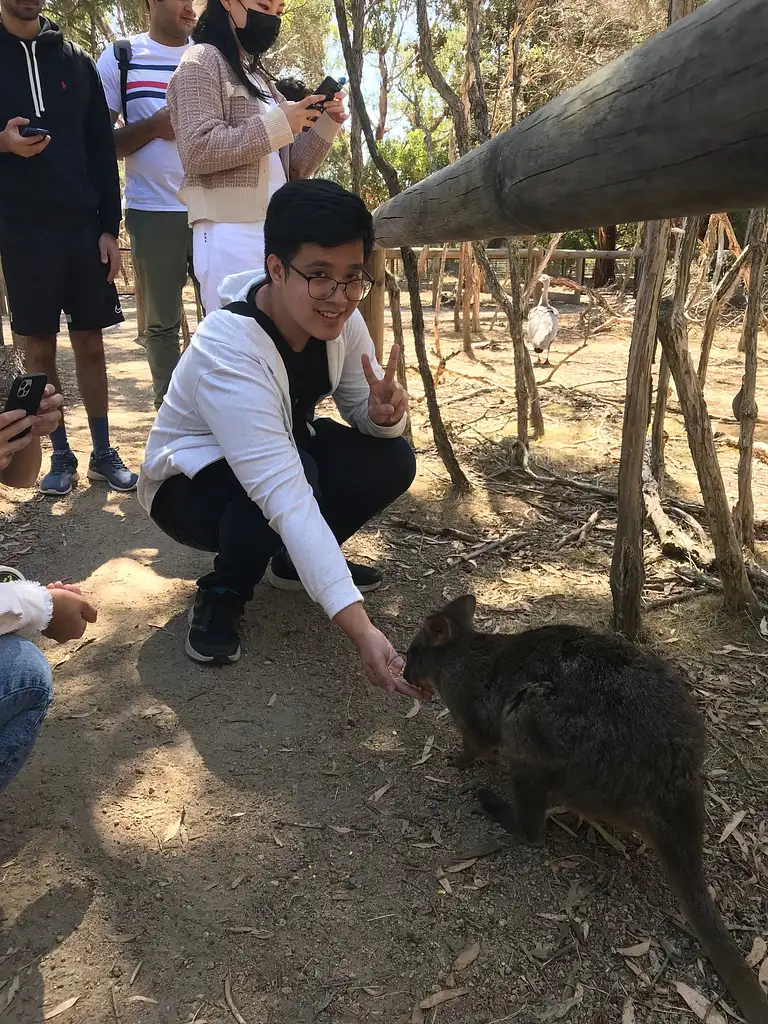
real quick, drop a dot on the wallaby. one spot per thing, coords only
(588, 720)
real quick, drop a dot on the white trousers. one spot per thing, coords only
(223, 249)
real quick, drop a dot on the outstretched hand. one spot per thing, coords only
(388, 399)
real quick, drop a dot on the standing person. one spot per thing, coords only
(236, 462)
(156, 219)
(235, 134)
(59, 219)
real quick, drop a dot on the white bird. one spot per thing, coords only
(542, 323)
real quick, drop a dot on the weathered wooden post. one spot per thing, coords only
(372, 306)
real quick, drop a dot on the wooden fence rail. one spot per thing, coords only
(675, 127)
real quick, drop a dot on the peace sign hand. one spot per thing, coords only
(388, 400)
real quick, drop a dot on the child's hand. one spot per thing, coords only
(71, 613)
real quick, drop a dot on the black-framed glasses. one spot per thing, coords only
(322, 288)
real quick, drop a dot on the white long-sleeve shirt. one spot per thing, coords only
(229, 399)
(25, 608)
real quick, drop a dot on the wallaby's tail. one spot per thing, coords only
(679, 850)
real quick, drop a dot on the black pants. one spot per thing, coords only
(354, 477)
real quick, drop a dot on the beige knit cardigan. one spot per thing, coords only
(224, 140)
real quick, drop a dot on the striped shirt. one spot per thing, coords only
(153, 173)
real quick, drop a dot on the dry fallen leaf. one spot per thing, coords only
(732, 825)
(173, 829)
(417, 1017)
(763, 975)
(255, 932)
(443, 996)
(640, 949)
(237, 881)
(628, 1013)
(380, 792)
(562, 1009)
(122, 938)
(341, 829)
(426, 752)
(61, 1008)
(271, 701)
(611, 840)
(12, 991)
(699, 1003)
(414, 710)
(443, 880)
(461, 866)
(758, 951)
(463, 960)
(141, 999)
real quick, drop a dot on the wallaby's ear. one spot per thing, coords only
(439, 630)
(461, 610)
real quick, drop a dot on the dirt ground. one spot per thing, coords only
(277, 837)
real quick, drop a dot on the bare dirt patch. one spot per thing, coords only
(279, 828)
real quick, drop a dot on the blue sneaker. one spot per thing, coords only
(108, 465)
(63, 474)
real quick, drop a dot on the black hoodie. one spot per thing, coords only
(75, 179)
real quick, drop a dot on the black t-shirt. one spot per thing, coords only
(308, 378)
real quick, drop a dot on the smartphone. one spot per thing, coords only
(26, 393)
(27, 132)
(328, 88)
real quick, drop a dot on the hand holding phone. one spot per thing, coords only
(327, 88)
(13, 138)
(27, 392)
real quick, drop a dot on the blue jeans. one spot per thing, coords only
(26, 690)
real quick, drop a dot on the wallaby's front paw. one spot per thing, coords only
(503, 813)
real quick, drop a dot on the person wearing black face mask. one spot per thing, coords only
(238, 137)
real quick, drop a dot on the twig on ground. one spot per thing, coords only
(557, 366)
(230, 1002)
(433, 531)
(579, 535)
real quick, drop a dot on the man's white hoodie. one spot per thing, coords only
(229, 399)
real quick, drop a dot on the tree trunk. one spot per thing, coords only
(526, 391)
(466, 301)
(442, 442)
(682, 282)
(605, 270)
(724, 291)
(437, 303)
(395, 310)
(737, 590)
(744, 512)
(476, 285)
(459, 292)
(627, 566)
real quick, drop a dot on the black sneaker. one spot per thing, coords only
(212, 635)
(283, 575)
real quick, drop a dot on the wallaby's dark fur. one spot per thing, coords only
(588, 720)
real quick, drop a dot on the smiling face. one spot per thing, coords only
(318, 318)
(172, 19)
(20, 10)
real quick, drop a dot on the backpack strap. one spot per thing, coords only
(123, 52)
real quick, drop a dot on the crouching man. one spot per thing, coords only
(236, 462)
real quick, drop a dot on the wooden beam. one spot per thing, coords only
(678, 126)
(558, 254)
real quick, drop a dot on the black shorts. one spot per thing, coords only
(50, 268)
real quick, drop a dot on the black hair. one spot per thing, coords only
(315, 211)
(292, 88)
(214, 27)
